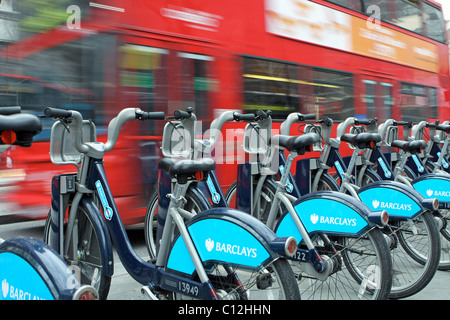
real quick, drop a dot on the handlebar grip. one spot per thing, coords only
(180, 114)
(366, 122)
(261, 114)
(303, 117)
(432, 124)
(10, 110)
(244, 117)
(326, 121)
(158, 115)
(57, 113)
(403, 123)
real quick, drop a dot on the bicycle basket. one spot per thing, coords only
(62, 142)
(176, 142)
(256, 139)
(314, 128)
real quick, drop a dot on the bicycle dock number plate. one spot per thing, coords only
(20, 281)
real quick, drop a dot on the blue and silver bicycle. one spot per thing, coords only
(216, 254)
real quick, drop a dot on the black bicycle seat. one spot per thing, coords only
(176, 167)
(362, 140)
(300, 144)
(26, 126)
(412, 147)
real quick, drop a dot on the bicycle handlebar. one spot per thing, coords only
(6, 111)
(366, 122)
(292, 118)
(244, 117)
(113, 128)
(57, 113)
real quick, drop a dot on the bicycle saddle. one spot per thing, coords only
(26, 126)
(443, 127)
(187, 167)
(362, 140)
(300, 144)
(410, 146)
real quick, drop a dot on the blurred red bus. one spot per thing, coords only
(370, 58)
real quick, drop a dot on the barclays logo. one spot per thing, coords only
(438, 193)
(391, 205)
(210, 245)
(332, 220)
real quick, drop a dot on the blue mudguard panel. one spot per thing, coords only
(20, 281)
(328, 212)
(223, 239)
(31, 270)
(399, 200)
(433, 186)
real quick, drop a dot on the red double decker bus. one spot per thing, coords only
(369, 58)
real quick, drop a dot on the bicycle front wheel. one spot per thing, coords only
(84, 252)
(193, 204)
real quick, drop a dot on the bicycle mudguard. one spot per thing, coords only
(399, 200)
(31, 270)
(434, 185)
(327, 212)
(228, 236)
(103, 236)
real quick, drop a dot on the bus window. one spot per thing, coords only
(68, 76)
(384, 8)
(434, 24)
(196, 83)
(414, 102)
(378, 99)
(409, 15)
(143, 78)
(433, 102)
(270, 85)
(334, 94)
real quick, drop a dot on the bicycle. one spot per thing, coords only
(380, 192)
(218, 254)
(428, 184)
(30, 269)
(323, 252)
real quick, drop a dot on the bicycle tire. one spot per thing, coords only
(326, 183)
(265, 200)
(89, 258)
(193, 204)
(414, 267)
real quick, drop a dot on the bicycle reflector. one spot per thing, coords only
(431, 203)
(86, 293)
(379, 217)
(199, 175)
(285, 246)
(8, 137)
